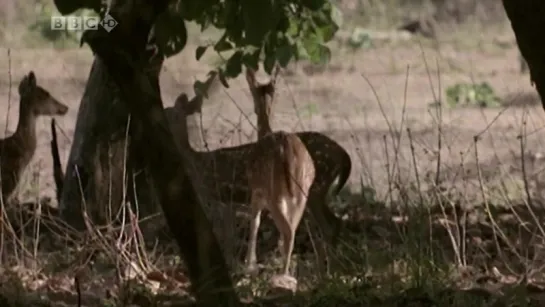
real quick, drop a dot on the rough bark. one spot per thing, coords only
(124, 52)
(99, 118)
(527, 21)
(94, 178)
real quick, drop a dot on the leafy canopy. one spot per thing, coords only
(272, 31)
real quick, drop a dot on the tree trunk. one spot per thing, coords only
(98, 157)
(527, 19)
(99, 118)
(124, 52)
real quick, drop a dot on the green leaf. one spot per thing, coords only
(251, 59)
(233, 68)
(328, 32)
(170, 33)
(324, 25)
(196, 10)
(223, 45)
(336, 16)
(200, 52)
(199, 88)
(223, 80)
(302, 53)
(284, 54)
(317, 52)
(256, 15)
(268, 64)
(283, 24)
(313, 5)
(360, 38)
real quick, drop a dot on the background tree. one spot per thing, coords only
(526, 18)
(265, 30)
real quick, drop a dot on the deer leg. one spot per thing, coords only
(251, 258)
(280, 214)
(295, 214)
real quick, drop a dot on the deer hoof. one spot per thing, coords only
(282, 284)
(252, 269)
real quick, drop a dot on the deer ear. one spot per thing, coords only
(27, 84)
(181, 101)
(31, 79)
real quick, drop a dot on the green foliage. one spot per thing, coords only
(274, 32)
(467, 94)
(360, 38)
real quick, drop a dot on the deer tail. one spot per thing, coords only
(290, 167)
(344, 172)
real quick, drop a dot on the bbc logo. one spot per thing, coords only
(82, 23)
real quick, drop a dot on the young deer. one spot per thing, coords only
(280, 173)
(17, 150)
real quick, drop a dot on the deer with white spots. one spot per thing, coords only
(280, 173)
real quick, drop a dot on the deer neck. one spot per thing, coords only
(263, 125)
(184, 129)
(194, 134)
(25, 134)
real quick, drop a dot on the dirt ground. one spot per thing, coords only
(360, 101)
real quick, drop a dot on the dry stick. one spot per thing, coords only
(383, 113)
(462, 231)
(57, 167)
(2, 211)
(455, 240)
(78, 288)
(121, 211)
(495, 227)
(390, 198)
(390, 183)
(381, 108)
(439, 128)
(439, 114)
(437, 98)
(440, 109)
(529, 201)
(421, 198)
(397, 144)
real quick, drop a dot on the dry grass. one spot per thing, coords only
(457, 215)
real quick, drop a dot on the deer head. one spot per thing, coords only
(36, 100)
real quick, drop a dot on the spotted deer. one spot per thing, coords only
(17, 150)
(224, 170)
(330, 159)
(280, 172)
